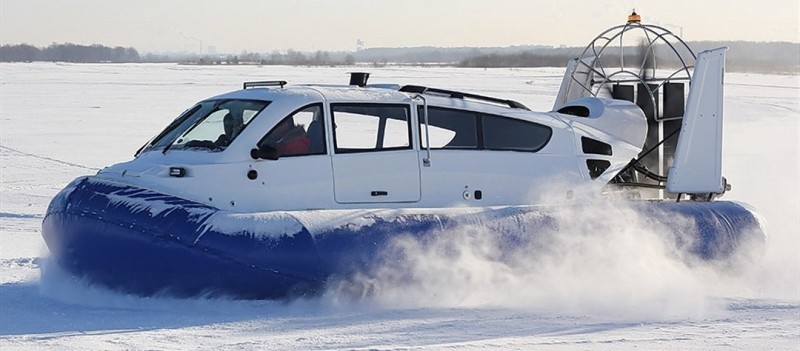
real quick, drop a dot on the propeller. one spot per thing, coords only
(644, 63)
(645, 54)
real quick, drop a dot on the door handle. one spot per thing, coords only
(379, 193)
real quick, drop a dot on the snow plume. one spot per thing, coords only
(58, 284)
(606, 259)
(114, 307)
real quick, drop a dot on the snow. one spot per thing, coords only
(262, 225)
(616, 289)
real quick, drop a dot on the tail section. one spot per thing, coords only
(652, 67)
(697, 166)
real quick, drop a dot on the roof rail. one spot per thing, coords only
(266, 83)
(459, 95)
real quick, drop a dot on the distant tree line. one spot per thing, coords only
(436, 55)
(519, 59)
(775, 57)
(290, 57)
(743, 56)
(540, 59)
(771, 57)
(68, 53)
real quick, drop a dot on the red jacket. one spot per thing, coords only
(296, 146)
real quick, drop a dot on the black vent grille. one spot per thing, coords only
(597, 167)
(596, 147)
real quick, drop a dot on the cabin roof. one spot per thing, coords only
(299, 95)
(317, 93)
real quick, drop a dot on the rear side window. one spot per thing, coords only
(449, 129)
(459, 129)
(500, 133)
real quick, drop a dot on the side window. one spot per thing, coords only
(370, 127)
(501, 133)
(300, 133)
(449, 129)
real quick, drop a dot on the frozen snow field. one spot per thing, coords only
(60, 121)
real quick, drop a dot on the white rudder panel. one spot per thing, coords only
(697, 166)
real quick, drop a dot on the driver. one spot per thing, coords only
(232, 126)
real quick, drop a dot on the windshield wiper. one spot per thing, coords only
(202, 144)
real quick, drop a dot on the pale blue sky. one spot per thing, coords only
(267, 25)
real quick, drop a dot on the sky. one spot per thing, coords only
(235, 26)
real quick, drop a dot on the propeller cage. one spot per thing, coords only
(644, 64)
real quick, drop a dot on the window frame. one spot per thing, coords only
(479, 129)
(321, 107)
(380, 137)
(476, 118)
(482, 133)
(154, 144)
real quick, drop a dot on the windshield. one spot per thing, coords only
(211, 125)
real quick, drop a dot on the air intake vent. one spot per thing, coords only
(575, 110)
(591, 146)
(597, 167)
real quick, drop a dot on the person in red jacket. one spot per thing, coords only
(289, 139)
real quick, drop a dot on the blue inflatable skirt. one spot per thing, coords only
(144, 242)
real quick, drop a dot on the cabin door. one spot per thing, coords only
(373, 159)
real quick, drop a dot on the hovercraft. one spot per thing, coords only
(276, 190)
